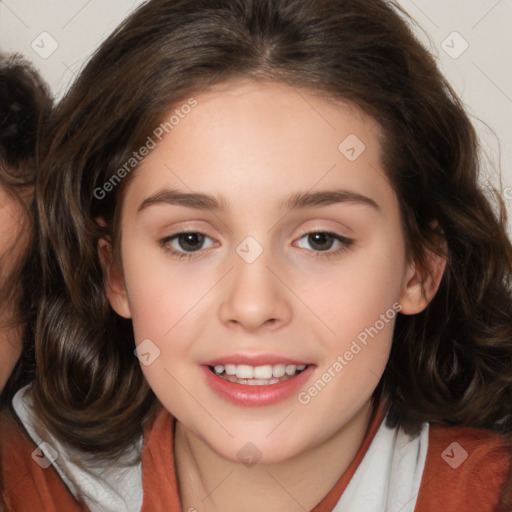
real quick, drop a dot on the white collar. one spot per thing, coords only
(389, 476)
(109, 487)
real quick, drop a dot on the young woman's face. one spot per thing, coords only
(261, 236)
(12, 245)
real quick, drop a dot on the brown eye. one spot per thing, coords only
(187, 243)
(321, 241)
(324, 242)
(190, 242)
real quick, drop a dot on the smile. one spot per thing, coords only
(257, 375)
(262, 385)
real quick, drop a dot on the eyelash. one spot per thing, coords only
(180, 255)
(346, 243)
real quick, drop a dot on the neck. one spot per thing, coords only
(208, 482)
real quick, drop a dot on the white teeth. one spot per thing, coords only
(278, 370)
(230, 369)
(244, 371)
(290, 369)
(263, 372)
(256, 382)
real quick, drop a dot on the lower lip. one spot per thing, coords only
(253, 396)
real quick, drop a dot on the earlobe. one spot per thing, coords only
(420, 285)
(115, 288)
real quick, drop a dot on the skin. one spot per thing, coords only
(12, 245)
(254, 144)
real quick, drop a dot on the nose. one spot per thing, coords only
(255, 299)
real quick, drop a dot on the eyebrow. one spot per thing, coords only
(202, 201)
(189, 199)
(325, 198)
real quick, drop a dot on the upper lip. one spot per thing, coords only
(254, 360)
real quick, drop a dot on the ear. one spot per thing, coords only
(115, 287)
(420, 285)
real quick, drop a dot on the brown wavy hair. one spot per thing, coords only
(450, 364)
(25, 105)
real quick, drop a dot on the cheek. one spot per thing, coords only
(352, 295)
(163, 295)
(161, 299)
(358, 304)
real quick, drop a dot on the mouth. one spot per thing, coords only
(257, 375)
(262, 383)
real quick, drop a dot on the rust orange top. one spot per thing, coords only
(475, 486)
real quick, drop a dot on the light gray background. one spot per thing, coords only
(481, 75)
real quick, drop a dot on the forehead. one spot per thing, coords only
(266, 138)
